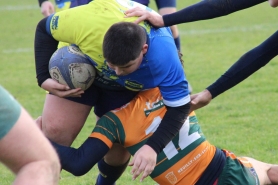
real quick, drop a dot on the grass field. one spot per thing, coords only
(242, 120)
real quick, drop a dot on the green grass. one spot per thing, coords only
(242, 119)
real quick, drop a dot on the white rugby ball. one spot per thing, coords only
(69, 66)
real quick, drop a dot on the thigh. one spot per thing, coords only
(261, 169)
(63, 119)
(237, 171)
(117, 155)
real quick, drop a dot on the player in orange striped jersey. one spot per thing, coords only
(188, 159)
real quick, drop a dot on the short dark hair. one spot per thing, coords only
(123, 42)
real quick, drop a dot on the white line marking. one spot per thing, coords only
(19, 7)
(258, 27)
(18, 50)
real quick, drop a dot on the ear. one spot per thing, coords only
(145, 48)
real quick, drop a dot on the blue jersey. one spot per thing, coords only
(161, 66)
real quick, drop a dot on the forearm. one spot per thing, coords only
(170, 125)
(45, 46)
(208, 9)
(80, 161)
(246, 65)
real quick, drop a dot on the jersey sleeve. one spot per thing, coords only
(208, 9)
(109, 130)
(168, 72)
(10, 111)
(248, 64)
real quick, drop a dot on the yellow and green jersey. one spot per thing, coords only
(85, 26)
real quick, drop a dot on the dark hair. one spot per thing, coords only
(123, 42)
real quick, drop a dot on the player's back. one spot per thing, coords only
(184, 159)
(85, 26)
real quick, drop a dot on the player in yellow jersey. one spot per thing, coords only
(86, 26)
(189, 159)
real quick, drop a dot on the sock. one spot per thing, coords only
(178, 43)
(109, 174)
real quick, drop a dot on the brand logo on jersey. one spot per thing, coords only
(171, 178)
(133, 85)
(54, 22)
(153, 106)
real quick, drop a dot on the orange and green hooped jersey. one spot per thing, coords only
(182, 161)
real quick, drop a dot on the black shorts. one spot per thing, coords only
(105, 95)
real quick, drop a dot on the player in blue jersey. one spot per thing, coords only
(188, 159)
(24, 149)
(67, 109)
(47, 8)
(248, 64)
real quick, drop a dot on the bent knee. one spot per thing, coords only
(117, 155)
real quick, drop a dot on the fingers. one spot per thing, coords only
(141, 167)
(137, 12)
(143, 162)
(140, 19)
(133, 12)
(70, 93)
(147, 171)
(136, 171)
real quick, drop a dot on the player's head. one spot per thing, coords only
(124, 45)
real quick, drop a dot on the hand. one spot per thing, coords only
(60, 90)
(154, 18)
(200, 100)
(47, 8)
(144, 161)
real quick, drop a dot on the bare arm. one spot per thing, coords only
(26, 151)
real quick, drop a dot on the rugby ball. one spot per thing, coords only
(69, 66)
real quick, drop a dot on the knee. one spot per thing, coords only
(272, 174)
(117, 155)
(57, 134)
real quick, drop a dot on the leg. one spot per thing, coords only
(169, 10)
(63, 119)
(268, 173)
(113, 164)
(116, 159)
(117, 155)
(168, 7)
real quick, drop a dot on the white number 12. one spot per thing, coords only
(184, 138)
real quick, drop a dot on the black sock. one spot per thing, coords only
(109, 174)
